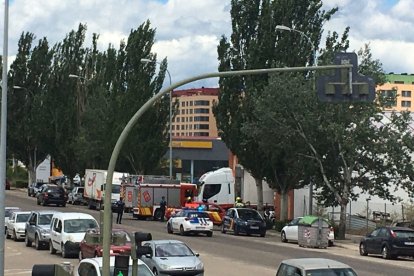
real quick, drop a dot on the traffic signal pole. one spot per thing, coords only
(125, 132)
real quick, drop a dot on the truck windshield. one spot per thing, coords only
(116, 188)
(211, 190)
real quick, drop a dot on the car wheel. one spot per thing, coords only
(283, 237)
(14, 235)
(362, 250)
(7, 234)
(210, 234)
(223, 229)
(155, 271)
(37, 243)
(38, 202)
(263, 234)
(236, 230)
(51, 249)
(169, 228)
(64, 205)
(182, 232)
(27, 242)
(44, 203)
(386, 253)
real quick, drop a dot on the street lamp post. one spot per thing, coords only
(145, 60)
(315, 63)
(129, 126)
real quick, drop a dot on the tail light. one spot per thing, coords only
(393, 234)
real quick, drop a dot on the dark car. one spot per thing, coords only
(244, 220)
(390, 242)
(91, 245)
(52, 194)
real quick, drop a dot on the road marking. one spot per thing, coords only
(18, 271)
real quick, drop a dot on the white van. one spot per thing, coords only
(67, 231)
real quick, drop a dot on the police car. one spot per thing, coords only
(190, 221)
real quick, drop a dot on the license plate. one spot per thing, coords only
(254, 227)
(409, 243)
(200, 227)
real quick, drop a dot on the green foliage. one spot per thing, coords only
(78, 121)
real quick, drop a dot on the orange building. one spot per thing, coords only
(401, 85)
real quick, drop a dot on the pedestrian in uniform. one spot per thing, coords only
(120, 210)
(163, 206)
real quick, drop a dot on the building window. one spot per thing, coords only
(201, 119)
(182, 103)
(191, 103)
(191, 119)
(406, 103)
(406, 93)
(388, 97)
(190, 127)
(172, 127)
(200, 126)
(182, 119)
(200, 133)
(399, 82)
(182, 127)
(201, 110)
(191, 111)
(200, 102)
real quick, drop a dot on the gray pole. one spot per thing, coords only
(125, 132)
(3, 130)
(311, 197)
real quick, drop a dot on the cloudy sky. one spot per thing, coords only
(188, 31)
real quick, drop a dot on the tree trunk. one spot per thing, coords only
(283, 205)
(342, 222)
(259, 187)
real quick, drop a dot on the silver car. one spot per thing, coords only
(38, 229)
(172, 257)
(314, 266)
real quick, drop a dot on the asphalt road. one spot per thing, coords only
(223, 254)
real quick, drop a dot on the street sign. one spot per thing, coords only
(346, 85)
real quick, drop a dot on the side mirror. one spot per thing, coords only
(149, 256)
(197, 254)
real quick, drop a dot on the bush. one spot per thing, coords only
(279, 225)
(20, 184)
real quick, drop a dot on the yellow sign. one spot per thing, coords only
(193, 144)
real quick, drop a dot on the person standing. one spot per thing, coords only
(120, 210)
(163, 206)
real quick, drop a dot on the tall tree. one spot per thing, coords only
(28, 75)
(256, 43)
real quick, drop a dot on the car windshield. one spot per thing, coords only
(331, 272)
(172, 250)
(79, 225)
(142, 271)
(197, 215)
(8, 212)
(22, 217)
(404, 233)
(247, 214)
(44, 219)
(38, 185)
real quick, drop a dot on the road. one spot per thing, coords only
(222, 254)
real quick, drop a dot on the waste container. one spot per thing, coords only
(313, 232)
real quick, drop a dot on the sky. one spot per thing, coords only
(188, 31)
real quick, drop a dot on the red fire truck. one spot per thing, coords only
(142, 195)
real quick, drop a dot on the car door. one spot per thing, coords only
(370, 241)
(292, 230)
(10, 224)
(228, 220)
(56, 234)
(31, 228)
(380, 239)
(174, 221)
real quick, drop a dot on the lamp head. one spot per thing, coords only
(281, 27)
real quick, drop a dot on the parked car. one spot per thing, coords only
(91, 245)
(38, 229)
(290, 232)
(390, 242)
(244, 220)
(76, 196)
(170, 256)
(67, 231)
(7, 213)
(93, 266)
(34, 188)
(190, 221)
(314, 266)
(52, 194)
(214, 211)
(16, 225)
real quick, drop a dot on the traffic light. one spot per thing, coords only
(138, 249)
(337, 88)
(121, 265)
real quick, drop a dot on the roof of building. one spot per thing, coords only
(196, 91)
(406, 78)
